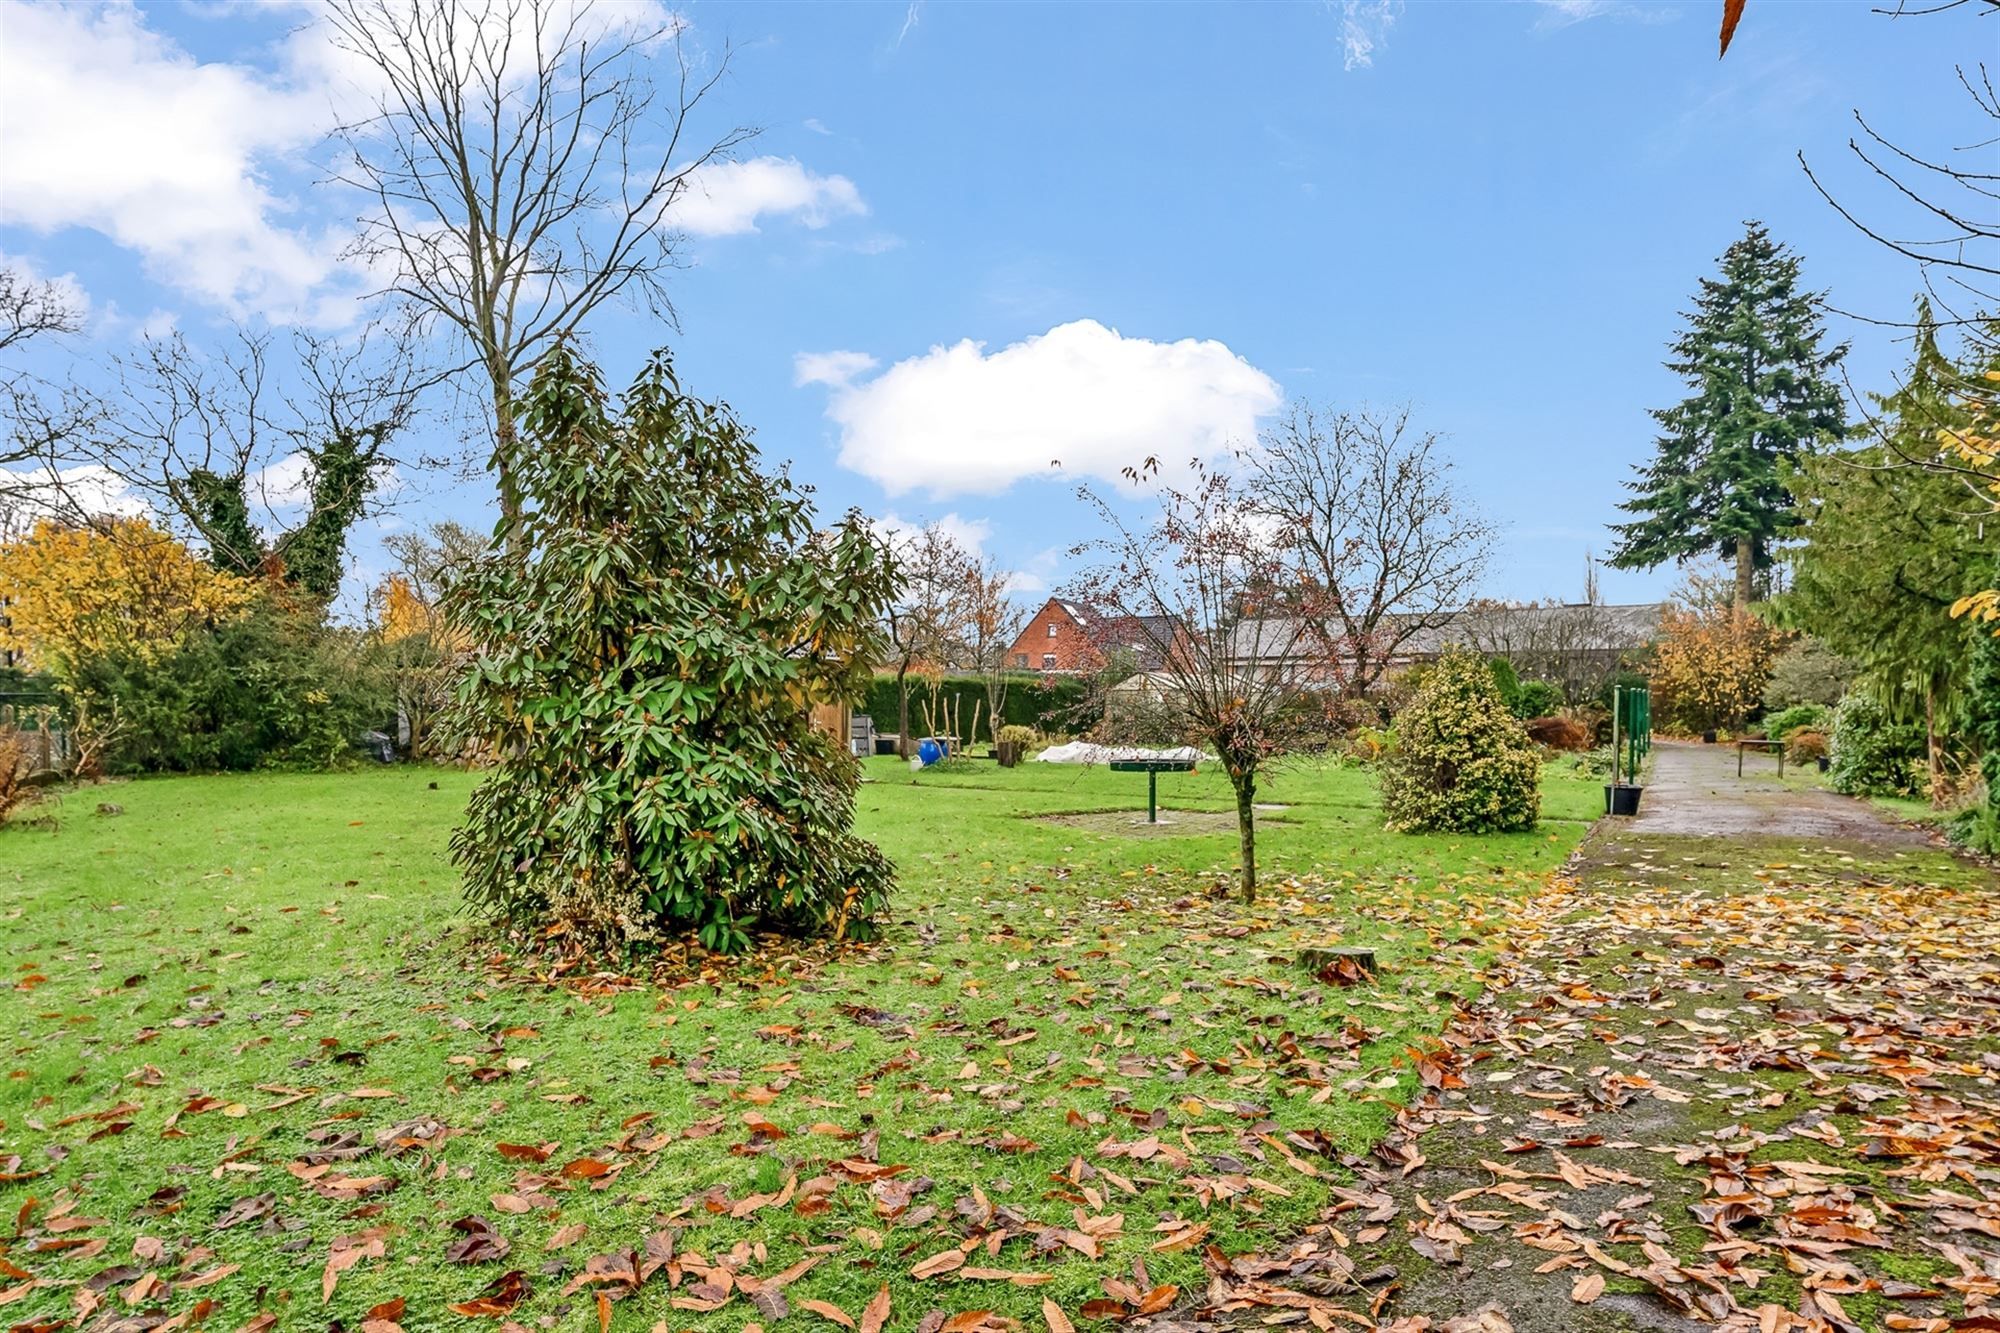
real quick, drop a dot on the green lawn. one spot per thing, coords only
(226, 998)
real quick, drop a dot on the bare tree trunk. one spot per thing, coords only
(1246, 832)
(1931, 756)
(504, 443)
(903, 711)
(1745, 564)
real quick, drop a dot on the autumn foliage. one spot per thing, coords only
(1711, 665)
(1975, 452)
(116, 587)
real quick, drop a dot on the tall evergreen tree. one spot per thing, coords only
(1887, 547)
(1763, 394)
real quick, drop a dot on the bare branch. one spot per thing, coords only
(523, 170)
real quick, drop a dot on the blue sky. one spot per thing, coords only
(974, 238)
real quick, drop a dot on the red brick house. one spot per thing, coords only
(1071, 637)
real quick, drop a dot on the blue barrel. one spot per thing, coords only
(930, 750)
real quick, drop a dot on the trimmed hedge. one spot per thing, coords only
(1042, 702)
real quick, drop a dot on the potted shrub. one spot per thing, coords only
(1012, 742)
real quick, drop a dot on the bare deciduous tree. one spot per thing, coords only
(38, 418)
(926, 620)
(992, 621)
(1379, 543)
(31, 309)
(1575, 646)
(1204, 562)
(423, 656)
(522, 169)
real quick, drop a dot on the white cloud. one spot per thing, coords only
(960, 421)
(68, 292)
(285, 484)
(1037, 574)
(1563, 13)
(1364, 26)
(969, 534)
(816, 125)
(32, 492)
(108, 125)
(727, 198)
(835, 368)
(206, 170)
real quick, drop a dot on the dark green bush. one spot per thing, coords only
(1044, 702)
(1806, 673)
(1780, 725)
(276, 687)
(1462, 762)
(1873, 754)
(654, 634)
(1536, 698)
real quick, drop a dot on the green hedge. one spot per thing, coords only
(1050, 703)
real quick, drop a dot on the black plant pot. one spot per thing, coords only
(1622, 799)
(1825, 763)
(1708, 738)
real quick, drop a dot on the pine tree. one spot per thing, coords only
(1763, 394)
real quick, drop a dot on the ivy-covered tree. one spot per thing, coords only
(1763, 394)
(341, 472)
(650, 645)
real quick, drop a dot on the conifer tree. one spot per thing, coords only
(1763, 394)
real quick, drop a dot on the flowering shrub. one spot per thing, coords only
(1462, 763)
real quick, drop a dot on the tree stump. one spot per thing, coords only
(1339, 966)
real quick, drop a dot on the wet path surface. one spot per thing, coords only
(1738, 1069)
(1693, 789)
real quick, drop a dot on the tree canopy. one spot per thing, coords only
(1762, 395)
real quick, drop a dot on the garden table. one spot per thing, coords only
(1779, 746)
(1152, 768)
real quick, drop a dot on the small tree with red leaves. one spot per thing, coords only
(1190, 575)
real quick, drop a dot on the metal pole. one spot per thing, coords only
(1152, 795)
(1617, 701)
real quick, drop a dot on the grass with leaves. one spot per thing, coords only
(262, 1069)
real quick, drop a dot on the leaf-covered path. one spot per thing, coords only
(1736, 1083)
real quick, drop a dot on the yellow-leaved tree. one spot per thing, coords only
(1711, 665)
(1975, 452)
(72, 593)
(425, 656)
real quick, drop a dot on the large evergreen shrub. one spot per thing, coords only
(276, 687)
(1873, 754)
(1462, 762)
(652, 637)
